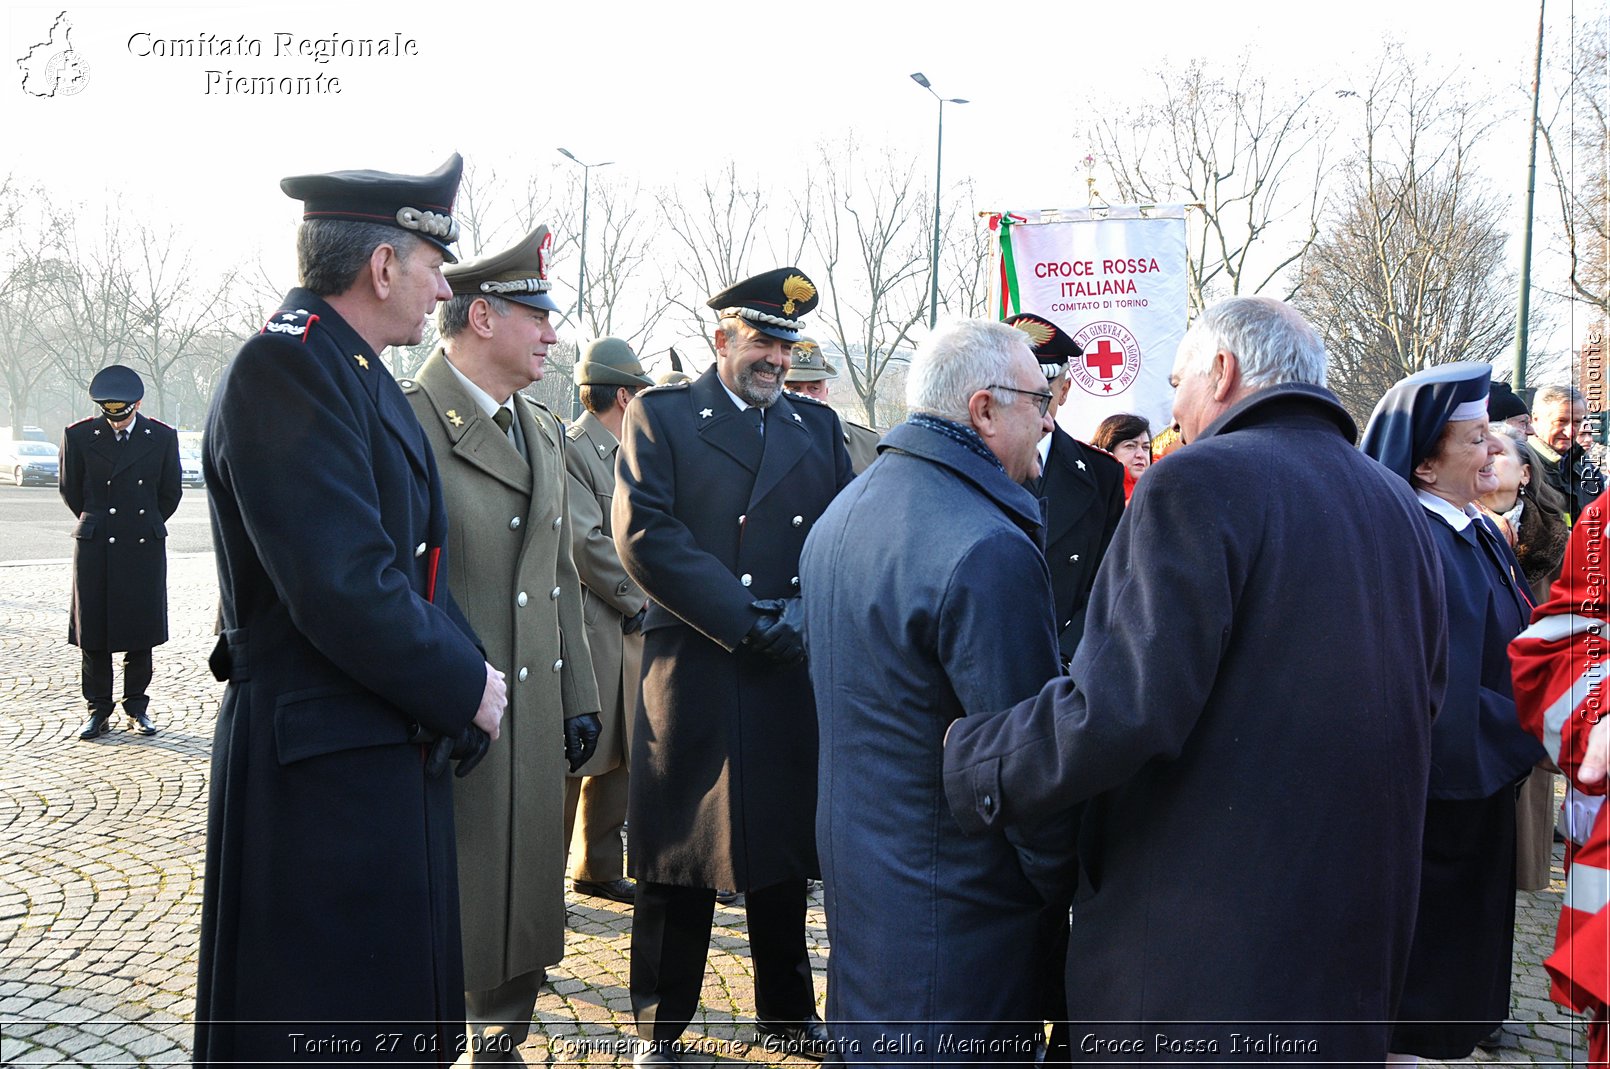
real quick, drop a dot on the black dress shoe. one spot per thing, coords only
(142, 723)
(727, 897)
(659, 1052)
(621, 890)
(807, 1038)
(96, 726)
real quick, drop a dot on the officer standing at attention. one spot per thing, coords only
(721, 479)
(330, 900)
(120, 476)
(809, 374)
(610, 376)
(503, 474)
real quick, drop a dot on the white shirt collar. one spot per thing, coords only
(1457, 519)
(739, 401)
(1045, 451)
(482, 399)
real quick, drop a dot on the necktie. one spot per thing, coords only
(757, 419)
(122, 436)
(503, 418)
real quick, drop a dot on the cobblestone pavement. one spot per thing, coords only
(100, 876)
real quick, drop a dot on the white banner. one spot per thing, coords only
(1115, 280)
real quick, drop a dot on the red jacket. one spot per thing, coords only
(1561, 664)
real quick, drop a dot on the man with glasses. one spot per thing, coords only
(944, 613)
(609, 376)
(1250, 729)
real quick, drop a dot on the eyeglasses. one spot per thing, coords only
(1041, 400)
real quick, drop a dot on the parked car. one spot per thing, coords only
(31, 462)
(190, 467)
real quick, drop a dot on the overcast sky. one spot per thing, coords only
(670, 89)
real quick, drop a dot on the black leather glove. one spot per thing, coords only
(779, 634)
(467, 748)
(581, 738)
(631, 625)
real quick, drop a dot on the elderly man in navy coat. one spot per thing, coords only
(720, 480)
(329, 921)
(933, 933)
(1251, 730)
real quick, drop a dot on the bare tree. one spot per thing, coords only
(622, 231)
(874, 251)
(173, 310)
(1577, 139)
(91, 315)
(1251, 156)
(964, 256)
(714, 233)
(1411, 270)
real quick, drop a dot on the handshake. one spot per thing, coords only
(779, 634)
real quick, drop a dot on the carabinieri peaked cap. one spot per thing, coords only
(809, 364)
(772, 303)
(1051, 345)
(610, 362)
(519, 274)
(116, 388)
(421, 204)
(1406, 424)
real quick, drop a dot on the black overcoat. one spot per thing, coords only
(913, 624)
(709, 515)
(1083, 490)
(1265, 649)
(122, 496)
(331, 887)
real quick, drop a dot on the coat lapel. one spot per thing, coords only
(475, 438)
(786, 440)
(1064, 481)
(721, 424)
(138, 445)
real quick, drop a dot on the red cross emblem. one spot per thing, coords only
(1111, 359)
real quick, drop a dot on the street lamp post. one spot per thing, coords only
(586, 172)
(939, 158)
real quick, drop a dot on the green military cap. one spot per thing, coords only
(519, 274)
(671, 378)
(809, 363)
(610, 362)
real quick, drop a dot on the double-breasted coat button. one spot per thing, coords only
(141, 512)
(111, 540)
(520, 599)
(514, 524)
(139, 482)
(553, 595)
(523, 673)
(560, 663)
(111, 512)
(557, 520)
(746, 579)
(419, 550)
(795, 582)
(142, 541)
(798, 520)
(741, 520)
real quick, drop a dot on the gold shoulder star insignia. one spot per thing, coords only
(1081, 464)
(705, 413)
(362, 361)
(454, 418)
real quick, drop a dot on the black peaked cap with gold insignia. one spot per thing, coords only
(773, 303)
(610, 362)
(1051, 345)
(420, 204)
(519, 274)
(116, 388)
(809, 363)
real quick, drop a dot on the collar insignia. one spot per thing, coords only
(705, 413)
(1081, 464)
(454, 418)
(362, 361)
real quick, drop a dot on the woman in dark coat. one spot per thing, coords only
(1531, 515)
(1431, 429)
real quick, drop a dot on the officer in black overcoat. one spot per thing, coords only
(1082, 486)
(330, 922)
(120, 477)
(719, 482)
